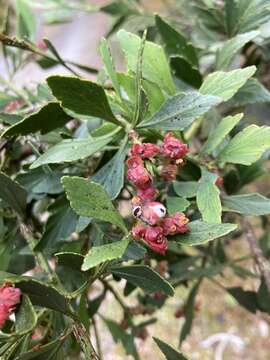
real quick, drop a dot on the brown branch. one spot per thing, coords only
(262, 263)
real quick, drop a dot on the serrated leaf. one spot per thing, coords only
(13, 194)
(155, 65)
(176, 204)
(201, 232)
(71, 150)
(44, 352)
(226, 54)
(221, 131)
(226, 84)
(247, 204)
(111, 175)
(82, 97)
(169, 352)
(90, 199)
(252, 92)
(48, 118)
(26, 317)
(109, 66)
(180, 110)
(176, 43)
(145, 278)
(40, 293)
(99, 254)
(186, 189)
(247, 146)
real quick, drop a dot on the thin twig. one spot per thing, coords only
(261, 261)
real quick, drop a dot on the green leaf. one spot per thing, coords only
(169, 352)
(253, 14)
(247, 204)
(71, 150)
(155, 65)
(231, 16)
(10, 119)
(208, 198)
(26, 317)
(176, 43)
(189, 312)
(90, 199)
(40, 293)
(82, 97)
(183, 70)
(186, 189)
(121, 335)
(226, 54)
(252, 92)
(247, 146)
(263, 297)
(61, 224)
(145, 278)
(39, 181)
(109, 66)
(26, 22)
(176, 204)
(247, 299)
(180, 110)
(13, 194)
(221, 131)
(70, 259)
(99, 254)
(111, 175)
(226, 84)
(44, 352)
(202, 232)
(48, 118)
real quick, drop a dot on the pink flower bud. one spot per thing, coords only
(138, 231)
(173, 148)
(9, 295)
(168, 172)
(145, 150)
(4, 314)
(148, 193)
(156, 240)
(175, 224)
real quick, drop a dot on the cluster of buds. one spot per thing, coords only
(154, 225)
(9, 298)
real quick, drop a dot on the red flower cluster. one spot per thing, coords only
(155, 226)
(9, 298)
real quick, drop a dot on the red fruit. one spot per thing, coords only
(134, 161)
(4, 314)
(145, 150)
(148, 193)
(13, 105)
(173, 148)
(219, 181)
(175, 224)
(179, 313)
(155, 238)
(139, 176)
(153, 212)
(9, 295)
(168, 172)
(138, 231)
